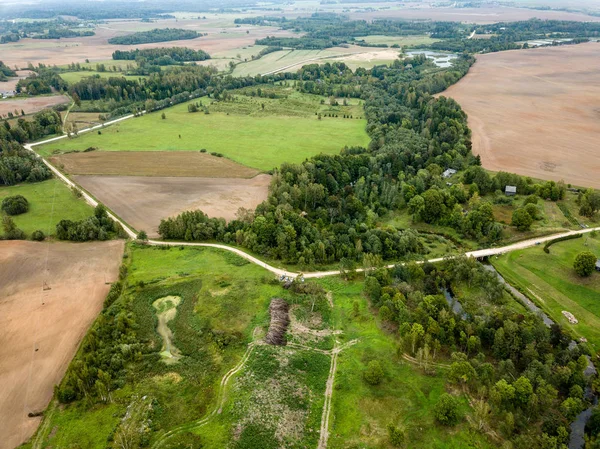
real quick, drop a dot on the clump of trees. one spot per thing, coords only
(15, 205)
(161, 56)
(98, 227)
(585, 263)
(155, 35)
(11, 232)
(5, 72)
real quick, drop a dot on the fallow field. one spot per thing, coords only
(535, 112)
(31, 105)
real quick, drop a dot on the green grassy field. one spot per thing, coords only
(49, 202)
(397, 40)
(405, 398)
(550, 281)
(286, 130)
(74, 77)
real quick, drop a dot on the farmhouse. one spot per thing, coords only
(510, 190)
(449, 172)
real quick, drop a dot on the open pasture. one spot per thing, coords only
(397, 40)
(49, 202)
(535, 112)
(240, 130)
(551, 282)
(30, 105)
(74, 77)
(151, 163)
(144, 201)
(41, 328)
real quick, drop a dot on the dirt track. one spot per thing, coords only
(536, 112)
(142, 202)
(38, 341)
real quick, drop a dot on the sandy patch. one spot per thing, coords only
(40, 330)
(536, 112)
(166, 310)
(143, 201)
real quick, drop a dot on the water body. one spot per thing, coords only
(577, 439)
(454, 304)
(440, 59)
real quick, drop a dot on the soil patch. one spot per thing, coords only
(40, 330)
(280, 320)
(143, 201)
(31, 105)
(149, 163)
(166, 310)
(535, 112)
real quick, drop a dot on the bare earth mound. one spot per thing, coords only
(40, 330)
(536, 112)
(147, 163)
(31, 105)
(143, 202)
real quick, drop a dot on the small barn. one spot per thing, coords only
(598, 265)
(510, 190)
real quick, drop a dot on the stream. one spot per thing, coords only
(453, 303)
(577, 440)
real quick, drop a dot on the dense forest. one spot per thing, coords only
(161, 56)
(156, 35)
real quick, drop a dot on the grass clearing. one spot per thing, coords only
(50, 201)
(402, 41)
(75, 77)
(550, 281)
(286, 130)
(406, 397)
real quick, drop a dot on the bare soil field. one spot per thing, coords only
(31, 105)
(143, 201)
(97, 48)
(473, 15)
(536, 112)
(152, 163)
(11, 85)
(40, 330)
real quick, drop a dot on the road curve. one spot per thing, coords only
(277, 271)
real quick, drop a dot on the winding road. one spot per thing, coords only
(275, 270)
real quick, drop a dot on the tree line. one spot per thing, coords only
(161, 56)
(155, 35)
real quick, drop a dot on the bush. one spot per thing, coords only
(15, 205)
(446, 410)
(38, 236)
(142, 236)
(585, 263)
(373, 374)
(396, 435)
(521, 219)
(11, 232)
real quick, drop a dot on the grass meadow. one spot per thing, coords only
(402, 41)
(286, 130)
(49, 202)
(74, 77)
(550, 281)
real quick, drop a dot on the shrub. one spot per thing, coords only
(584, 264)
(396, 435)
(446, 410)
(38, 236)
(373, 374)
(521, 219)
(15, 205)
(560, 239)
(11, 232)
(142, 236)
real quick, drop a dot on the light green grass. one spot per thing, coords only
(242, 131)
(402, 41)
(550, 281)
(74, 77)
(406, 397)
(49, 202)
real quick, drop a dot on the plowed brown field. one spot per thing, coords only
(536, 112)
(40, 329)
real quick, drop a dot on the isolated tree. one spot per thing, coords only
(142, 236)
(584, 264)
(38, 235)
(446, 410)
(163, 116)
(521, 219)
(373, 375)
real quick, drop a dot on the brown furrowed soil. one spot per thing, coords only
(40, 330)
(31, 104)
(149, 163)
(144, 201)
(536, 112)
